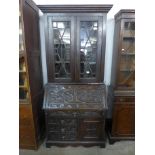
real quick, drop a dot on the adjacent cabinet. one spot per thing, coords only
(30, 77)
(122, 92)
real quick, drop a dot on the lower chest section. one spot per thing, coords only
(75, 126)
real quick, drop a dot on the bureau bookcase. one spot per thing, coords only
(75, 96)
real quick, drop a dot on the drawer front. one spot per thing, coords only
(61, 128)
(61, 114)
(91, 129)
(61, 122)
(91, 114)
(61, 136)
(124, 99)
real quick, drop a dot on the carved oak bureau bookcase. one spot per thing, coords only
(75, 37)
(122, 125)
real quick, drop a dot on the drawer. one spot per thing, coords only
(91, 114)
(124, 99)
(66, 129)
(91, 129)
(61, 114)
(61, 122)
(61, 136)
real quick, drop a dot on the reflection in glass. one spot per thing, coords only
(21, 46)
(61, 31)
(128, 45)
(23, 94)
(127, 59)
(88, 48)
(129, 29)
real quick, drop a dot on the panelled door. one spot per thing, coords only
(74, 47)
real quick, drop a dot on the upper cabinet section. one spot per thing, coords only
(125, 47)
(75, 42)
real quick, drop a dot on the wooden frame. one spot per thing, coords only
(75, 8)
(50, 50)
(75, 19)
(121, 124)
(99, 44)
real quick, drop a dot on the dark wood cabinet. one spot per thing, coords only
(30, 77)
(75, 97)
(123, 78)
(75, 42)
(75, 114)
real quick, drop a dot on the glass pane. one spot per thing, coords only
(88, 48)
(21, 43)
(126, 79)
(127, 62)
(62, 49)
(23, 94)
(129, 29)
(126, 76)
(128, 45)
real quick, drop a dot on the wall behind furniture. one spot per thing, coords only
(117, 5)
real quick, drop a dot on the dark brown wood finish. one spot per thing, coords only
(122, 79)
(50, 47)
(123, 119)
(75, 14)
(75, 114)
(75, 8)
(75, 46)
(31, 114)
(98, 52)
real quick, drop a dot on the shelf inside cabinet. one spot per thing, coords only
(127, 53)
(23, 86)
(131, 38)
(22, 71)
(21, 54)
(23, 101)
(127, 70)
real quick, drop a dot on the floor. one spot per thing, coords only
(118, 148)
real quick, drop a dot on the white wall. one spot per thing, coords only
(117, 5)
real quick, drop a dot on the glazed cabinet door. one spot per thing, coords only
(60, 48)
(126, 67)
(74, 52)
(89, 41)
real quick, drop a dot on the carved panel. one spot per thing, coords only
(73, 96)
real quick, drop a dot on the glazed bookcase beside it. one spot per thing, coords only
(122, 92)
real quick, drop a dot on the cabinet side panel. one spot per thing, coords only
(31, 30)
(115, 52)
